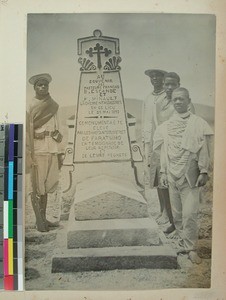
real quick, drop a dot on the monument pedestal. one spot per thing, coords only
(110, 230)
(109, 212)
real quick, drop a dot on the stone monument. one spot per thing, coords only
(108, 217)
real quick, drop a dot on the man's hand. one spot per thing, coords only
(202, 180)
(164, 181)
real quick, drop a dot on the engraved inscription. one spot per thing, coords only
(101, 129)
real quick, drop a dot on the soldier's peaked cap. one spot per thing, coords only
(151, 72)
(44, 76)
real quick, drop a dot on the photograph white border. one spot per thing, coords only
(13, 22)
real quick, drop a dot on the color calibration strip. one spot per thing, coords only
(11, 230)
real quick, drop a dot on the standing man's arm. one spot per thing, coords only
(147, 132)
(28, 145)
(203, 163)
(147, 122)
(159, 146)
(61, 143)
(163, 169)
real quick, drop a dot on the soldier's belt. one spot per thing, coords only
(42, 135)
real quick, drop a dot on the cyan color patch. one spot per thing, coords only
(10, 180)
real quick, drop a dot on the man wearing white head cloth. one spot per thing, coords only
(44, 140)
(183, 142)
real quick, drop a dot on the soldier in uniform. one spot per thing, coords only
(44, 140)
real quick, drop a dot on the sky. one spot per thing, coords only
(183, 43)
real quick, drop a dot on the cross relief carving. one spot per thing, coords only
(98, 50)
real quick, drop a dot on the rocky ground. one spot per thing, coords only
(39, 250)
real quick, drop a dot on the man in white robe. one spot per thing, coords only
(183, 144)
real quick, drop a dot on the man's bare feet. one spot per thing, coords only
(158, 216)
(174, 235)
(52, 224)
(162, 220)
(194, 258)
(169, 229)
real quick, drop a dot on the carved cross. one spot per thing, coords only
(98, 50)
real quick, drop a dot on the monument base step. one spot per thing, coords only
(112, 233)
(100, 259)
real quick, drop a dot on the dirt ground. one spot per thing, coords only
(39, 250)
